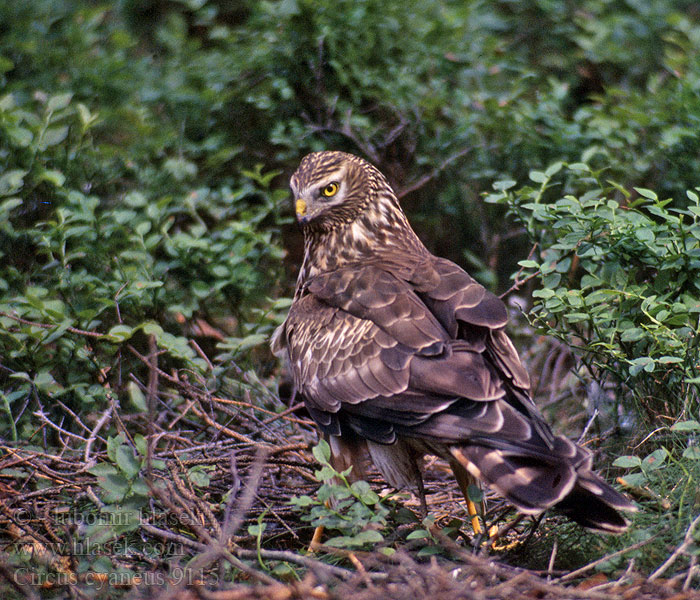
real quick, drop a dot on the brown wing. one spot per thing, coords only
(365, 346)
(349, 369)
(420, 353)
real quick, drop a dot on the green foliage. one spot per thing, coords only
(113, 229)
(620, 277)
(351, 509)
(664, 482)
(474, 93)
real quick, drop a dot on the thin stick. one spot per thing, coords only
(607, 557)
(305, 561)
(44, 419)
(552, 558)
(588, 426)
(518, 282)
(50, 325)
(433, 174)
(687, 541)
(93, 434)
(691, 570)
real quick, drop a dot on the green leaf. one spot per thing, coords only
(553, 169)
(627, 462)
(643, 363)
(120, 333)
(53, 136)
(102, 469)
(135, 199)
(538, 176)
(127, 462)
(10, 204)
(137, 397)
(644, 234)
(152, 329)
(503, 185)
(635, 479)
(141, 444)
(20, 136)
(691, 425)
(669, 360)
(325, 473)
(59, 101)
(529, 264)
(340, 542)
(418, 534)
(199, 477)
(429, 551)
(302, 501)
(54, 177)
(11, 181)
(45, 382)
(632, 335)
(116, 485)
(579, 166)
(655, 460)
(57, 332)
(475, 493)
(257, 529)
(368, 536)
(692, 452)
(147, 285)
(647, 193)
(322, 452)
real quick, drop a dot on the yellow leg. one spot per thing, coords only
(471, 509)
(316, 539)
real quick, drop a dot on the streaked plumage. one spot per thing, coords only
(400, 353)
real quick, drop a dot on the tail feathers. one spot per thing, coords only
(529, 483)
(534, 485)
(591, 511)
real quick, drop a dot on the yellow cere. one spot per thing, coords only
(301, 207)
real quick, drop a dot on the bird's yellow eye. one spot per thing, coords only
(330, 190)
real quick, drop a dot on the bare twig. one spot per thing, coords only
(234, 519)
(683, 546)
(44, 419)
(95, 430)
(692, 568)
(199, 351)
(588, 426)
(50, 325)
(433, 174)
(607, 557)
(520, 282)
(305, 561)
(552, 558)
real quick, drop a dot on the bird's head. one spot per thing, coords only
(334, 188)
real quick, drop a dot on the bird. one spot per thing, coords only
(398, 354)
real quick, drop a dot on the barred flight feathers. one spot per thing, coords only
(398, 353)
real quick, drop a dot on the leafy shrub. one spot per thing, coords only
(475, 93)
(83, 274)
(665, 481)
(351, 509)
(620, 279)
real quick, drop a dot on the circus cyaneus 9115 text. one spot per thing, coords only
(398, 353)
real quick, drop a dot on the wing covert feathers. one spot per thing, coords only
(398, 353)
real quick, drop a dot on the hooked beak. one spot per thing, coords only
(301, 209)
